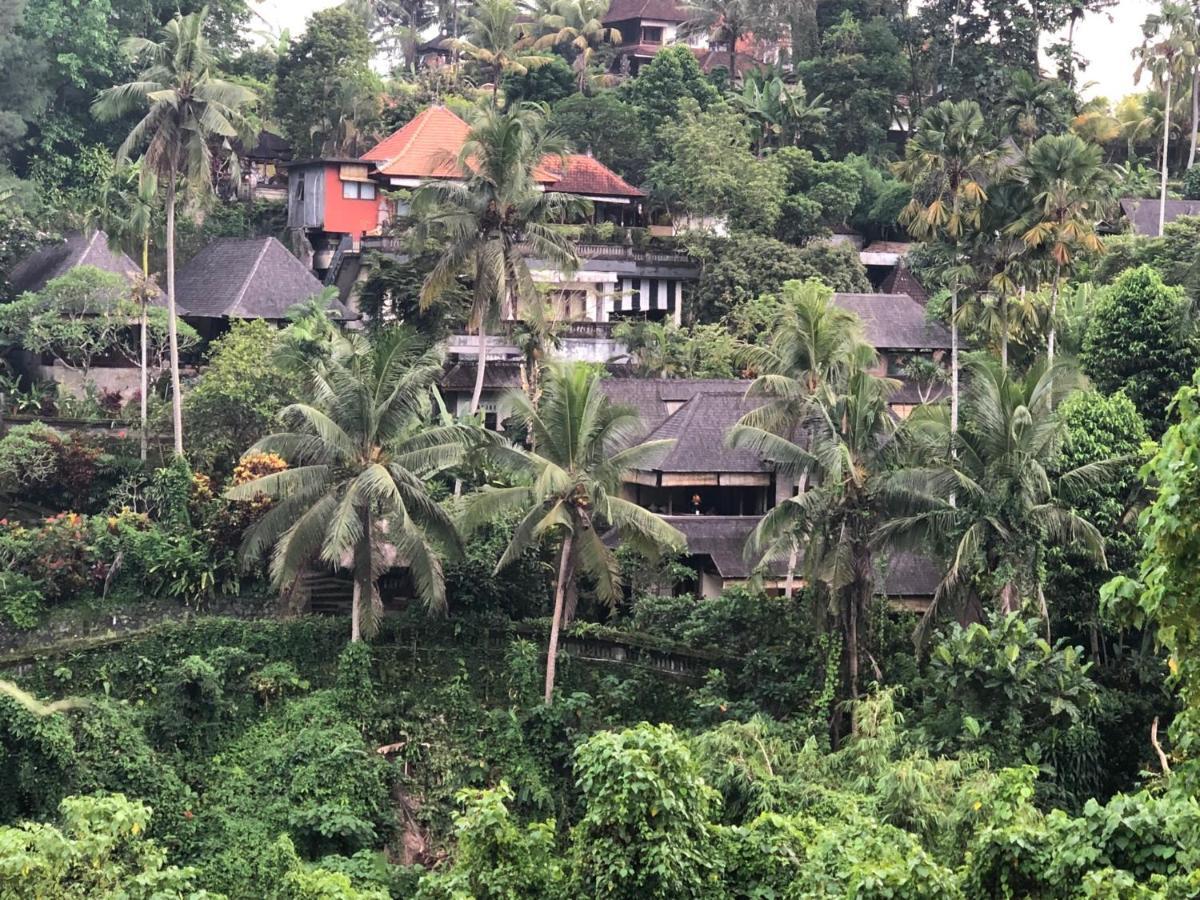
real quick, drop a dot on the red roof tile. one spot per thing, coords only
(586, 175)
(426, 147)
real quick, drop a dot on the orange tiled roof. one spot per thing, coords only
(584, 174)
(426, 147)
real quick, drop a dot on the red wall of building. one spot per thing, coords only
(354, 217)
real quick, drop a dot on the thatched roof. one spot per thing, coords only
(77, 249)
(895, 322)
(247, 278)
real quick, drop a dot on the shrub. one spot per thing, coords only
(21, 600)
(495, 857)
(645, 832)
(1140, 341)
(99, 849)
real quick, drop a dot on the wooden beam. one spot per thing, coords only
(745, 479)
(690, 479)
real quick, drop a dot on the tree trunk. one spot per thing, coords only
(172, 331)
(1053, 312)
(1195, 115)
(564, 566)
(1004, 332)
(356, 612)
(145, 380)
(852, 646)
(480, 365)
(1162, 197)
(789, 584)
(954, 359)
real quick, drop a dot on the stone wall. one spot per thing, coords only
(94, 625)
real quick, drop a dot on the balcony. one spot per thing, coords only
(580, 341)
(588, 252)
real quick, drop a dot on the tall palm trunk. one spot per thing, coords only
(145, 380)
(954, 359)
(1054, 310)
(1004, 331)
(480, 364)
(564, 568)
(172, 331)
(790, 583)
(1162, 197)
(1195, 114)
(364, 577)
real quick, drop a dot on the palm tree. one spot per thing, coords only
(488, 221)
(186, 106)
(1029, 105)
(569, 489)
(578, 24)
(949, 160)
(814, 348)
(727, 21)
(1002, 268)
(354, 495)
(1067, 183)
(1007, 503)
(1167, 56)
(495, 41)
(128, 213)
(848, 429)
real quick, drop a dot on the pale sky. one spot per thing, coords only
(1106, 44)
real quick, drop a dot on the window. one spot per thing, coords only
(300, 187)
(358, 190)
(652, 34)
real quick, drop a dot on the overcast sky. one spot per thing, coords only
(1106, 44)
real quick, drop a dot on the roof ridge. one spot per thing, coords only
(425, 116)
(237, 300)
(88, 247)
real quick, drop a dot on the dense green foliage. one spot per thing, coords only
(1034, 742)
(1139, 341)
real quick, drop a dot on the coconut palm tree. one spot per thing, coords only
(568, 489)
(577, 24)
(1167, 52)
(1067, 183)
(814, 348)
(186, 106)
(848, 429)
(949, 160)
(1007, 503)
(488, 221)
(495, 40)
(129, 213)
(354, 496)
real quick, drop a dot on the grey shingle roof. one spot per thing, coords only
(246, 278)
(895, 322)
(698, 429)
(77, 249)
(901, 281)
(721, 539)
(696, 414)
(1143, 214)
